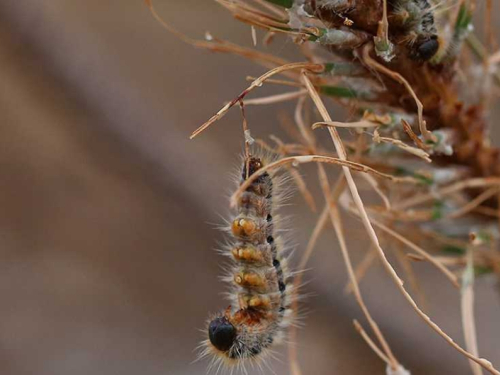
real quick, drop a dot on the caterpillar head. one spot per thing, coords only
(221, 333)
(426, 48)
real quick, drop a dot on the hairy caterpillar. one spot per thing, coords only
(411, 22)
(261, 293)
(416, 19)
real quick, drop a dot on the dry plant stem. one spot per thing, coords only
(498, 210)
(405, 263)
(305, 132)
(467, 307)
(399, 78)
(488, 30)
(453, 279)
(335, 124)
(447, 190)
(361, 269)
(495, 58)
(374, 184)
(320, 225)
(275, 9)
(373, 236)
(301, 185)
(292, 349)
(219, 46)
(337, 224)
(257, 83)
(246, 14)
(370, 342)
(402, 146)
(311, 245)
(276, 98)
(280, 82)
(299, 181)
(316, 159)
(331, 202)
(473, 203)
(254, 36)
(246, 133)
(294, 365)
(383, 30)
(408, 130)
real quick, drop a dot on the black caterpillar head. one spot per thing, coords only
(426, 48)
(221, 333)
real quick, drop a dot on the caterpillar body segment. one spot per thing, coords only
(415, 21)
(261, 290)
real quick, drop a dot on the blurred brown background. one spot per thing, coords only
(108, 211)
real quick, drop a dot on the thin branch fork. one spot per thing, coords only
(257, 83)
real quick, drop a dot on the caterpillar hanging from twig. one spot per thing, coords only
(261, 294)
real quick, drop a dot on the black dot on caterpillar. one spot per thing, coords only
(261, 291)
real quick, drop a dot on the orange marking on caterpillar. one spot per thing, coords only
(260, 277)
(243, 227)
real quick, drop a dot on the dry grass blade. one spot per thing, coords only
(405, 263)
(279, 98)
(408, 130)
(301, 185)
(361, 269)
(336, 124)
(399, 78)
(331, 203)
(335, 218)
(373, 236)
(257, 83)
(449, 275)
(467, 307)
(273, 8)
(485, 195)
(374, 184)
(447, 190)
(219, 45)
(280, 82)
(403, 146)
(311, 245)
(370, 342)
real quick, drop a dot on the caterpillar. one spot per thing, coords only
(411, 23)
(416, 20)
(261, 296)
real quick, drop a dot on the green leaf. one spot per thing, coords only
(437, 210)
(454, 249)
(482, 270)
(283, 3)
(343, 69)
(464, 19)
(425, 180)
(339, 92)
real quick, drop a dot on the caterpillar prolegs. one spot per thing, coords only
(261, 290)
